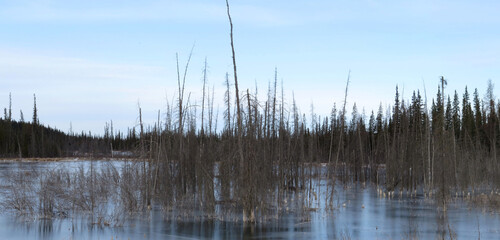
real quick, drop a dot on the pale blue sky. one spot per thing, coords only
(91, 61)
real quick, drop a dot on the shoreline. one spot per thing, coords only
(63, 159)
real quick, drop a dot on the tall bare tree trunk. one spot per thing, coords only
(342, 119)
(248, 211)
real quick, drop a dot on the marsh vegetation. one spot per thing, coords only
(250, 169)
(360, 212)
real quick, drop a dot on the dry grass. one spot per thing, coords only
(34, 159)
(487, 201)
(62, 159)
(63, 192)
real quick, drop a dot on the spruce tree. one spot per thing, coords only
(456, 115)
(448, 115)
(35, 115)
(9, 118)
(478, 118)
(468, 126)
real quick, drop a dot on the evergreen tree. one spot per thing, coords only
(456, 115)
(490, 99)
(396, 112)
(9, 117)
(448, 115)
(380, 121)
(355, 118)
(478, 118)
(372, 124)
(34, 128)
(437, 113)
(35, 111)
(468, 126)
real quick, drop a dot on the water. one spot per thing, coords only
(360, 214)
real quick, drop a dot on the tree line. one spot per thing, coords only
(31, 139)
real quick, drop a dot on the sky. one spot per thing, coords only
(90, 62)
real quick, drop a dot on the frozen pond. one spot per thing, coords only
(360, 214)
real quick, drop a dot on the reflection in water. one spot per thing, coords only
(445, 230)
(45, 227)
(412, 232)
(360, 214)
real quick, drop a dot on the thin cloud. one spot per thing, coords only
(30, 69)
(196, 12)
(387, 12)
